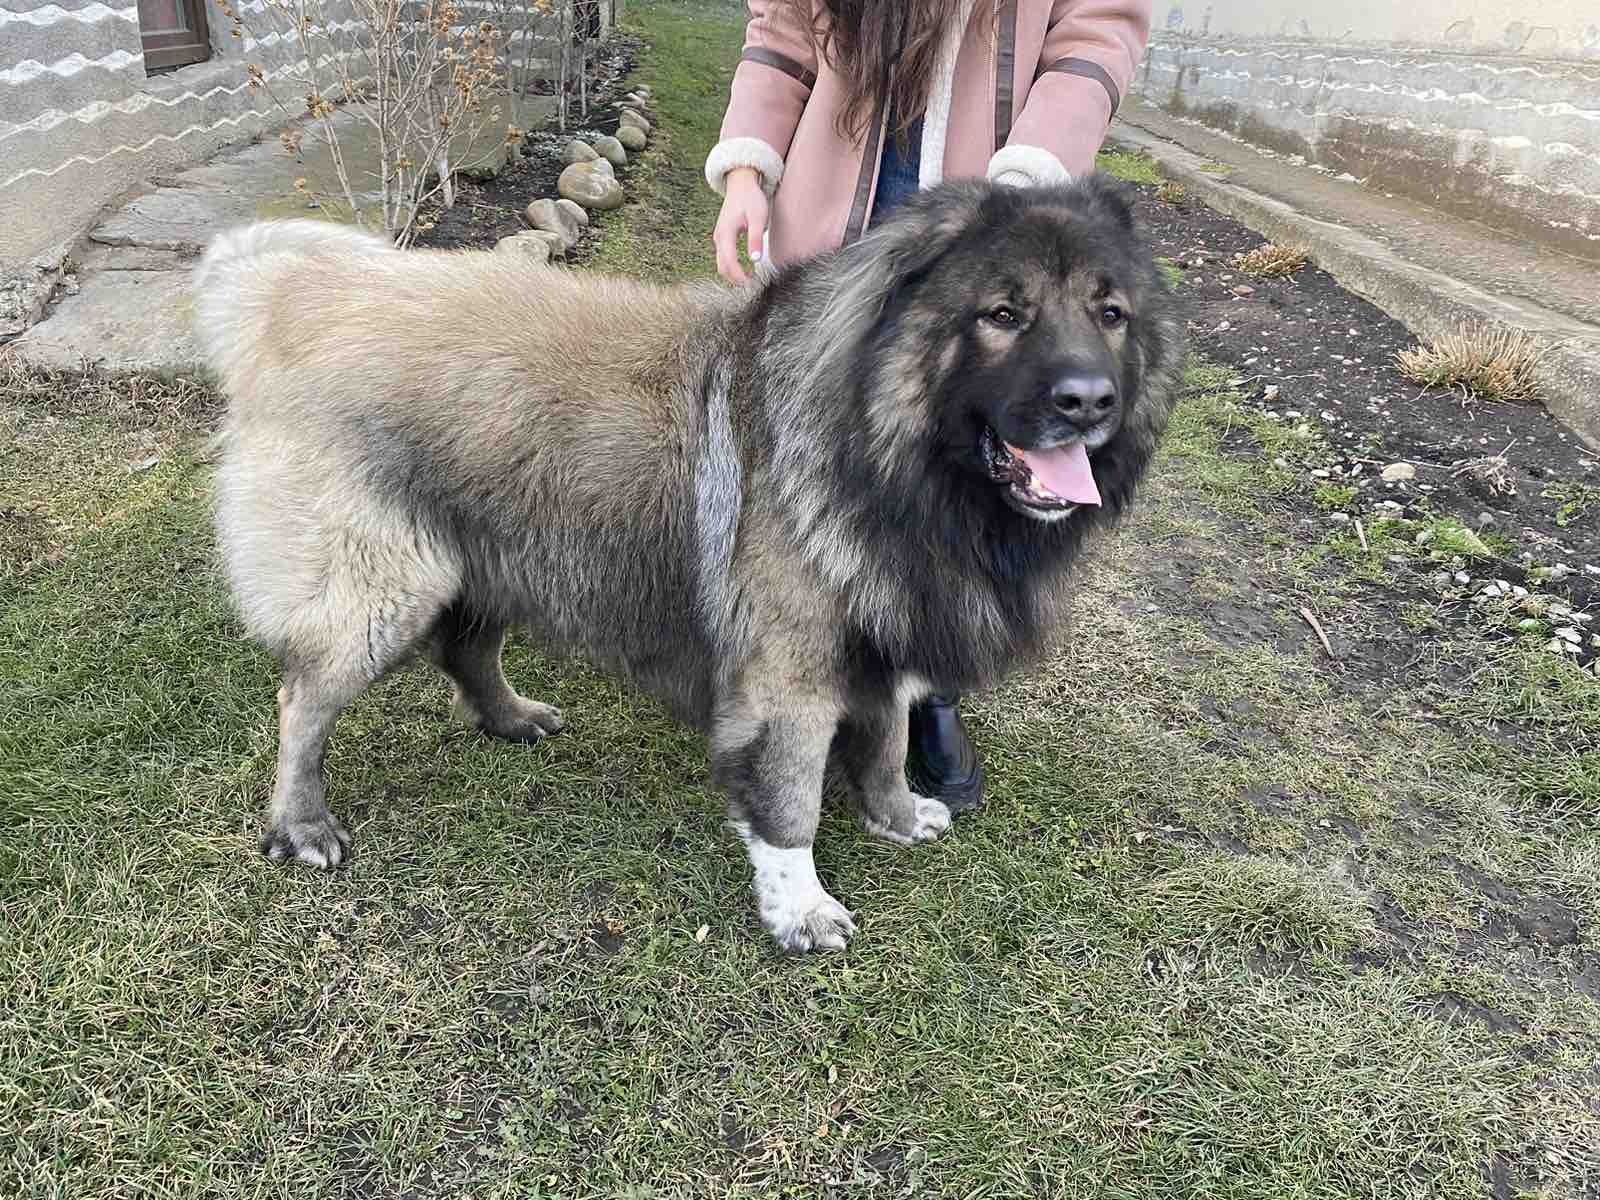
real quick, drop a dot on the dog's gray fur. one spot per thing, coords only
(751, 504)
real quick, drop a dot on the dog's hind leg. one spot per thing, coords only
(769, 753)
(368, 616)
(468, 650)
(873, 750)
(318, 685)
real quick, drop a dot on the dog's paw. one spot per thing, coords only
(529, 721)
(322, 842)
(907, 824)
(806, 922)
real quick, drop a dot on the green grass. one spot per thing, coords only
(689, 67)
(1577, 501)
(1128, 166)
(1202, 941)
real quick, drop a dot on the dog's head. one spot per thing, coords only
(1017, 341)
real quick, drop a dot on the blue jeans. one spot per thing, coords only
(898, 172)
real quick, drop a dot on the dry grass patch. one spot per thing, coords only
(1172, 192)
(1489, 361)
(1272, 261)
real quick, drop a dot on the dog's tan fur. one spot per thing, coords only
(423, 449)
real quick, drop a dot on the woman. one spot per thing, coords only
(840, 109)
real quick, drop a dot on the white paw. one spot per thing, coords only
(794, 906)
(803, 923)
(923, 820)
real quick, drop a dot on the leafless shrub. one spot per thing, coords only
(1492, 470)
(415, 72)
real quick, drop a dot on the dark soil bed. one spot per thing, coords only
(1305, 350)
(486, 212)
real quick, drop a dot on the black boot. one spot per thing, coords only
(942, 763)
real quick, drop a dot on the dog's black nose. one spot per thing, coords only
(1084, 397)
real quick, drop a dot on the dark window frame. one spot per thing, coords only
(178, 48)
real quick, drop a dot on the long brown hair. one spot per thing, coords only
(884, 50)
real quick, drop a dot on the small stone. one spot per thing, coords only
(1441, 581)
(611, 150)
(585, 184)
(575, 211)
(1399, 472)
(534, 246)
(1338, 518)
(631, 137)
(1270, 392)
(1463, 578)
(549, 216)
(636, 119)
(1243, 289)
(1570, 635)
(578, 152)
(1521, 593)
(1485, 520)
(1321, 473)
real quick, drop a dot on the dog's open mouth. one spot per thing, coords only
(1058, 479)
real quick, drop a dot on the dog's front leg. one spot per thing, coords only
(873, 751)
(769, 754)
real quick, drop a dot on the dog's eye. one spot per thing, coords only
(1004, 317)
(1111, 316)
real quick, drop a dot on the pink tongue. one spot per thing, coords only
(1064, 470)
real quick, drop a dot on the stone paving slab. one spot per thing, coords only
(130, 308)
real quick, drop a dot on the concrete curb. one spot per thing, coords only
(1426, 301)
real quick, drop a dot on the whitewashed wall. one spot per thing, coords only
(1490, 108)
(81, 124)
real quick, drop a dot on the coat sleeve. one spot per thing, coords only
(771, 86)
(1091, 50)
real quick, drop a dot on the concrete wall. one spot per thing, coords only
(81, 123)
(1489, 108)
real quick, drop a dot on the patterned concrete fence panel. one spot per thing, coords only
(1486, 108)
(96, 96)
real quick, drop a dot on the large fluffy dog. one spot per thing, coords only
(786, 511)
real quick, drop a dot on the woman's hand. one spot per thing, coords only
(744, 210)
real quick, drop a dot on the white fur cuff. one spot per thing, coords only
(743, 152)
(1027, 166)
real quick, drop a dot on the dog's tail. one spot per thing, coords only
(234, 279)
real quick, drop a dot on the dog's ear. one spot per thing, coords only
(1109, 196)
(867, 274)
(928, 226)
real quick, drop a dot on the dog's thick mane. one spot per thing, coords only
(944, 578)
